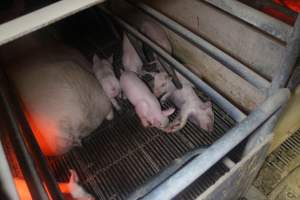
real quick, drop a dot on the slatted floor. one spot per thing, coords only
(122, 155)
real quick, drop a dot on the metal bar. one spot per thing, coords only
(197, 167)
(159, 178)
(228, 61)
(254, 17)
(232, 110)
(261, 133)
(6, 178)
(26, 147)
(288, 61)
(35, 20)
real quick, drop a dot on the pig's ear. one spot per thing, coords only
(111, 59)
(205, 105)
(96, 59)
(74, 177)
(168, 112)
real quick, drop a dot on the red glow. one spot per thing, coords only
(24, 193)
(279, 15)
(291, 4)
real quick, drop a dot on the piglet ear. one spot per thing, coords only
(168, 112)
(74, 177)
(206, 105)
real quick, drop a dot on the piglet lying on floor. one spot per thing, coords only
(70, 190)
(145, 103)
(190, 105)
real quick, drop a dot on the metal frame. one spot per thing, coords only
(43, 17)
(232, 110)
(30, 158)
(186, 175)
(254, 17)
(230, 62)
(288, 61)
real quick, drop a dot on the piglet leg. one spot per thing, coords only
(115, 104)
(180, 121)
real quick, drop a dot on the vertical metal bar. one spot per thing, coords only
(228, 61)
(288, 61)
(232, 110)
(6, 178)
(197, 167)
(26, 147)
(254, 17)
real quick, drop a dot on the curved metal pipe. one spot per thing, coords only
(197, 167)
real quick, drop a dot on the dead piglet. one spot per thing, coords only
(190, 105)
(130, 58)
(146, 105)
(103, 71)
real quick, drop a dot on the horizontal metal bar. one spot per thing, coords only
(162, 176)
(228, 61)
(232, 110)
(35, 20)
(30, 158)
(197, 167)
(6, 178)
(254, 17)
(261, 133)
(289, 59)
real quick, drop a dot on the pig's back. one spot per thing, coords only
(63, 102)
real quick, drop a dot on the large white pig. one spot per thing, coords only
(145, 103)
(62, 101)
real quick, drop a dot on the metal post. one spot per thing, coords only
(232, 110)
(29, 154)
(197, 167)
(288, 61)
(228, 61)
(6, 179)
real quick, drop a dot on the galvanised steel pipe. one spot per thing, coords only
(197, 167)
(228, 61)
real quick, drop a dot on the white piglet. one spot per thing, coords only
(190, 105)
(146, 104)
(130, 58)
(104, 73)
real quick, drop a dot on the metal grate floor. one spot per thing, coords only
(122, 155)
(278, 165)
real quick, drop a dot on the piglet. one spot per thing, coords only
(191, 106)
(103, 71)
(71, 190)
(130, 59)
(145, 103)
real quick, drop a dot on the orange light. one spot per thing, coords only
(24, 193)
(291, 4)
